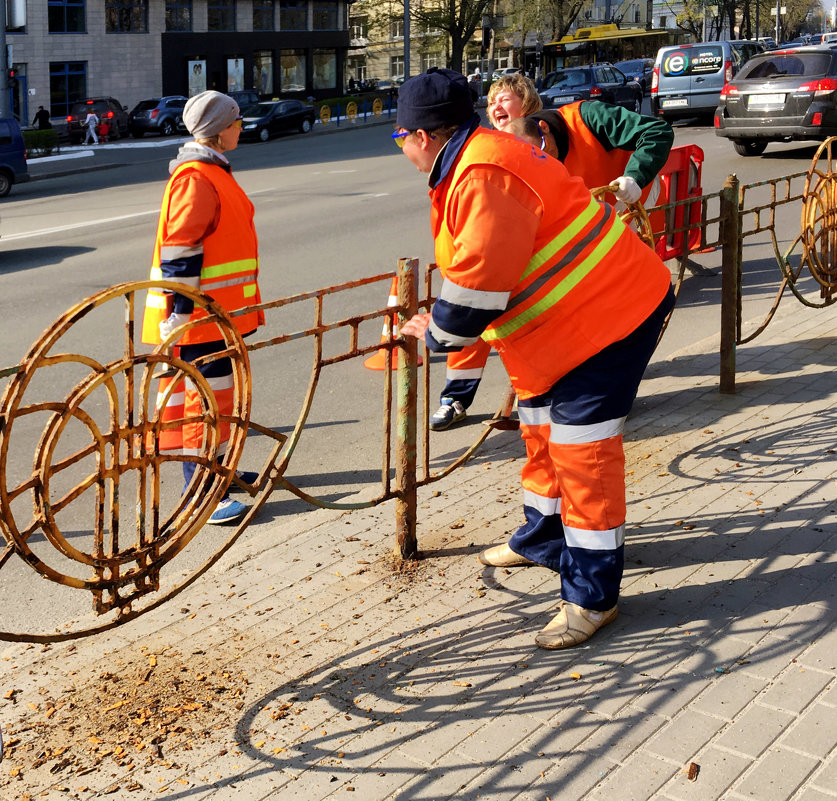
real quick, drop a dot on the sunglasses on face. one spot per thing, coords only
(399, 136)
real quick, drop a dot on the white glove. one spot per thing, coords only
(171, 322)
(628, 191)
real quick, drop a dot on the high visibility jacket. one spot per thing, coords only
(533, 264)
(603, 147)
(230, 263)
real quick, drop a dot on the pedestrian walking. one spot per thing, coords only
(91, 122)
(206, 240)
(41, 120)
(573, 302)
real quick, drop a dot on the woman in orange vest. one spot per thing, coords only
(206, 240)
(573, 303)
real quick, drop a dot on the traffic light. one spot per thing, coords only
(487, 33)
(12, 79)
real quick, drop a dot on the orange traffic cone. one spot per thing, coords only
(378, 361)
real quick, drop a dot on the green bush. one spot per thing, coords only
(40, 143)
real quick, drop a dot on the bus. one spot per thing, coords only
(607, 43)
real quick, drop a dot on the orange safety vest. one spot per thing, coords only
(589, 281)
(230, 262)
(597, 166)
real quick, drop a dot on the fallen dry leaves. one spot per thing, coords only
(136, 715)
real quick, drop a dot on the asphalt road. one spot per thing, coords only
(329, 209)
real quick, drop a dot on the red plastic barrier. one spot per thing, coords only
(681, 178)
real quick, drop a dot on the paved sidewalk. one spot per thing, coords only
(312, 669)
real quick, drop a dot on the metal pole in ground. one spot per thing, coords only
(730, 222)
(406, 504)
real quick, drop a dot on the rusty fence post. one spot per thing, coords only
(730, 222)
(406, 504)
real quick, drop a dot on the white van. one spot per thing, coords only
(687, 79)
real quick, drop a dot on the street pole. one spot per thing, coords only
(5, 103)
(406, 39)
(778, 6)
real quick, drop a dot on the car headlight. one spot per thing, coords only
(250, 126)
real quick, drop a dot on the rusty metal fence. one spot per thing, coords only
(112, 462)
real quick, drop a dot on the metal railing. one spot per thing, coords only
(120, 565)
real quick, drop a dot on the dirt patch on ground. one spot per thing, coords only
(139, 714)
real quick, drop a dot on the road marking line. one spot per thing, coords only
(73, 226)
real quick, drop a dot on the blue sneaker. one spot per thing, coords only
(228, 511)
(446, 415)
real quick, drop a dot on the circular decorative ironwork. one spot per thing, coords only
(819, 219)
(102, 442)
(632, 214)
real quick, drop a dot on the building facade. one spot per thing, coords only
(63, 51)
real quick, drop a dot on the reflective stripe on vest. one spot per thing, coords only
(230, 269)
(604, 234)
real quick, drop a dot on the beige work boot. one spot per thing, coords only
(573, 625)
(503, 556)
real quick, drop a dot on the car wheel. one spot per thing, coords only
(637, 107)
(305, 126)
(264, 134)
(137, 134)
(749, 147)
(166, 129)
(5, 183)
(114, 134)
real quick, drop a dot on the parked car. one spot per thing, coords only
(780, 96)
(768, 42)
(13, 169)
(593, 82)
(107, 109)
(160, 115)
(497, 74)
(688, 79)
(639, 69)
(245, 98)
(276, 116)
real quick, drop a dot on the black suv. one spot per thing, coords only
(157, 115)
(107, 109)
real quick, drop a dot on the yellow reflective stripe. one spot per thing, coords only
(557, 293)
(228, 268)
(249, 290)
(549, 250)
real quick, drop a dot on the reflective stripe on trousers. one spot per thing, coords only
(574, 476)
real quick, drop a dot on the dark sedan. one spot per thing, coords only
(593, 82)
(780, 96)
(269, 118)
(639, 70)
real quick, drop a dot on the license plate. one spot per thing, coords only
(676, 102)
(560, 100)
(766, 101)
